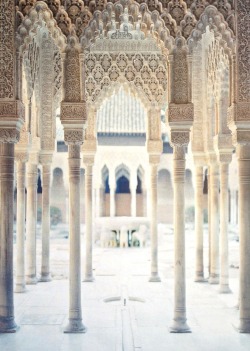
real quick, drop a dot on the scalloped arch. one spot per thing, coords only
(37, 17)
(151, 23)
(214, 19)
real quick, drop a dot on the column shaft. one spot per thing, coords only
(133, 201)
(214, 221)
(89, 223)
(112, 202)
(31, 220)
(20, 228)
(7, 322)
(224, 285)
(179, 322)
(199, 271)
(244, 230)
(153, 225)
(45, 272)
(75, 310)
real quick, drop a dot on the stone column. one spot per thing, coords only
(214, 222)
(233, 206)
(20, 223)
(199, 271)
(154, 161)
(224, 284)
(244, 230)
(112, 187)
(7, 322)
(45, 269)
(31, 219)
(75, 310)
(179, 322)
(133, 201)
(88, 162)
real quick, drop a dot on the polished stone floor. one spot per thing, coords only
(122, 310)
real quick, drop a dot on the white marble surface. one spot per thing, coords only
(42, 311)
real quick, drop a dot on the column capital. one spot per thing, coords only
(179, 137)
(45, 158)
(34, 157)
(199, 159)
(223, 147)
(12, 118)
(239, 122)
(21, 156)
(73, 118)
(154, 147)
(73, 136)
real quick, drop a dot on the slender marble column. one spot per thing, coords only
(75, 310)
(153, 227)
(31, 277)
(180, 321)
(244, 230)
(45, 271)
(209, 219)
(7, 322)
(20, 225)
(133, 201)
(112, 202)
(214, 221)
(233, 206)
(199, 272)
(224, 284)
(89, 222)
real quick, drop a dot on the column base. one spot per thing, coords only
(214, 279)
(154, 278)
(8, 325)
(46, 277)
(75, 326)
(20, 288)
(31, 280)
(224, 289)
(179, 326)
(199, 278)
(89, 279)
(244, 326)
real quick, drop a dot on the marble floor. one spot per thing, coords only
(122, 310)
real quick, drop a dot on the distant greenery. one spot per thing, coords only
(189, 214)
(55, 215)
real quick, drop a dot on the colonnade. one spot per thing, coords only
(100, 192)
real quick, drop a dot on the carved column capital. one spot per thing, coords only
(73, 136)
(179, 138)
(154, 147)
(45, 158)
(11, 120)
(21, 156)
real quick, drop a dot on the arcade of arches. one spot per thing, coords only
(179, 74)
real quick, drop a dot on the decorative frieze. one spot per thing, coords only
(73, 112)
(180, 112)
